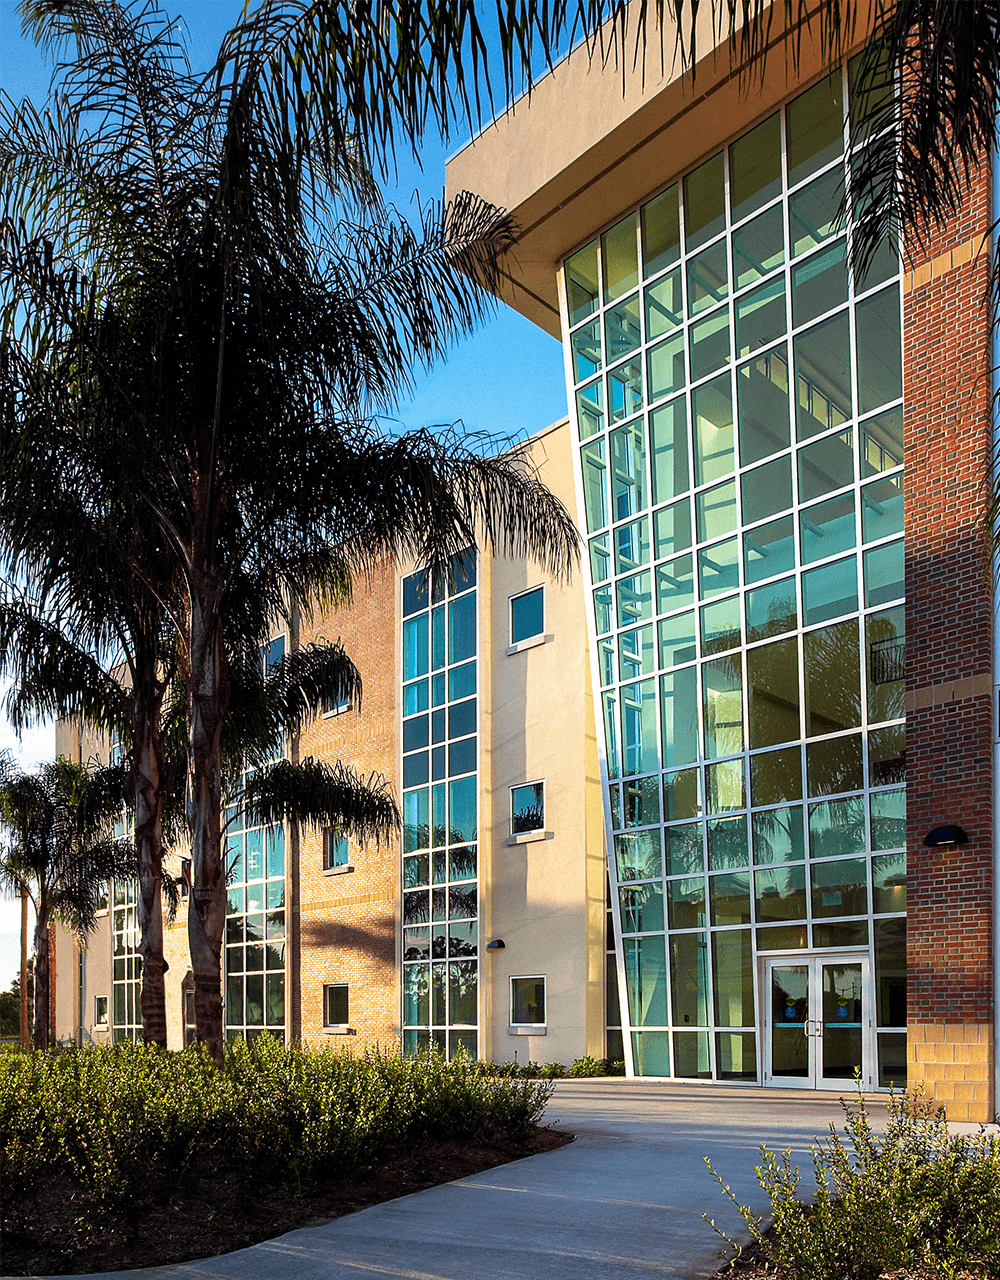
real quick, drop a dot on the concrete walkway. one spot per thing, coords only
(623, 1201)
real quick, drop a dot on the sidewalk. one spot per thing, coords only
(621, 1202)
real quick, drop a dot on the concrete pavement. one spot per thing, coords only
(623, 1201)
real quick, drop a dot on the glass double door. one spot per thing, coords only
(818, 1022)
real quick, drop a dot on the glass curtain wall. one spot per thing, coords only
(737, 392)
(440, 811)
(126, 963)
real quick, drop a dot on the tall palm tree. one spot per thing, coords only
(56, 848)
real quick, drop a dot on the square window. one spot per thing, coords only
(527, 1002)
(100, 1011)
(335, 1005)
(527, 615)
(527, 808)
(335, 849)
(336, 706)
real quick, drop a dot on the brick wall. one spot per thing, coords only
(345, 925)
(949, 663)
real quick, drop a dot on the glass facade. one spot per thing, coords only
(440, 981)
(737, 393)
(126, 963)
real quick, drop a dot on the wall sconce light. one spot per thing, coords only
(497, 944)
(941, 836)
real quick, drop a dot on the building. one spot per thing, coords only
(771, 761)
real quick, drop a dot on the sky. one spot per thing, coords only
(506, 378)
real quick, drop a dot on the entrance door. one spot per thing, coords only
(818, 1021)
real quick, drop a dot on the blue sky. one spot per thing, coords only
(506, 378)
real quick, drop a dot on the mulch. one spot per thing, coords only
(61, 1233)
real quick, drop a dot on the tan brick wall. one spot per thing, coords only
(344, 925)
(953, 1062)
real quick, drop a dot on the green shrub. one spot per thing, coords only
(911, 1196)
(587, 1066)
(553, 1070)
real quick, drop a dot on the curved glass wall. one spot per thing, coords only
(737, 392)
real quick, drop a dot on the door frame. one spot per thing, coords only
(814, 958)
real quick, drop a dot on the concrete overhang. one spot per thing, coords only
(589, 143)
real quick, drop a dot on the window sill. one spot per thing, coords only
(336, 711)
(337, 871)
(526, 1031)
(340, 1030)
(527, 837)
(529, 643)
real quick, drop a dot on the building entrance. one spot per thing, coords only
(818, 1021)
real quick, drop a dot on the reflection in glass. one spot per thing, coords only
(666, 367)
(889, 889)
(880, 358)
(720, 626)
(600, 558)
(715, 511)
(780, 893)
(762, 391)
(639, 738)
(642, 802)
(826, 465)
(684, 853)
(889, 819)
(724, 787)
(881, 442)
(625, 390)
(736, 1055)
(595, 485)
(840, 888)
(691, 1060)
(771, 610)
(767, 490)
(815, 127)
(622, 330)
(675, 584)
(890, 973)
(837, 827)
(830, 591)
(840, 933)
(760, 316)
(813, 211)
(664, 306)
(618, 254)
(651, 1053)
(682, 796)
(585, 345)
(636, 653)
(686, 901)
(773, 694)
(679, 712)
(887, 756)
(758, 247)
(708, 278)
(637, 855)
(672, 529)
(590, 409)
(789, 997)
(661, 232)
(646, 980)
(581, 283)
(677, 639)
(628, 470)
(641, 908)
(732, 969)
(819, 283)
(884, 573)
(718, 568)
(631, 547)
(723, 707)
(834, 765)
(755, 167)
(709, 344)
(823, 377)
(832, 679)
(843, 1014)
(689, 979)
(828, 528)
(769, 550)
(728, 843)
(704, 202)
(668, 442)
(882, 508)
(730, 898)
(635, 600)
(776, 776)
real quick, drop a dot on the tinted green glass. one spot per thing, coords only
(636, 653)
(590, 409)
(778, 836)
(682, 799)
(773, 696)
(843, 933)
(834, 765)
(758, 247)
(462, 628)
(416, 820)
(819, 283)
(718, 568)
(581, 283)
(766, 490)
(672, 529)
(646, 980)
(664, 305)
(603, 609)
(635, 600)
(691, 1060)
(684, 852)
(830, 591)
(715, 511)
(885, 641)
(837, 827)
(625, 390)
(651, 1053)
(631, 549)
(882, 508)
(622, 330)
(889, 883)
(888, 819)
(769, 550)
(890, 973)
(679, 713)
(723, 706)
(416, 653)
(736, 1055)
(708, 278)
(618, 252)
(720, 626)
(637, 855)
(641, 908)
(780, 893)
(840, 888)
(887, 756)
(832, 679)
(710, 344)
(677, 639)
(689, 979)
(762, 392)
(728, 843)
(776, 776)
(600, 558)
(732, 969)
(813, 211)
(823, 377)
(730, 898)
(668, 442)
(704, 202)
(828, 528)
(883, 266)
(675, 584)
(661, 231)
(880, 358)
(771, 610)
(712, 406)
(639, 736)
(610, 711)
(826, 465)
(760, 316)
(585, 345)
(686, 902)
(595, 485)
(666, 367)
(725, 789)
(881, 442)
(885, 573)
(815, 123)
(755, 168)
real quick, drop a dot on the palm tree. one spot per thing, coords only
(56, 849)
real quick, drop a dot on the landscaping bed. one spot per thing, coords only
(128, 1157)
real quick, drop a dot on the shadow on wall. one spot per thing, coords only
(376, 939)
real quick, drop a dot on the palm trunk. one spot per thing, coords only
(148, 757)
(207, 692)
(25, 1025)
(41, 966)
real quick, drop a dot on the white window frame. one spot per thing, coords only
(536, 833)
(336, 1028)
(336, 708)
(105, 1023)
(538, 1027)
(330, 868)
(540, 637)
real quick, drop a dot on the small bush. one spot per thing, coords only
(912, 1197)
(587, 1066)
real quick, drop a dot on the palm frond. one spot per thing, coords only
(312, 679)
(318, 794)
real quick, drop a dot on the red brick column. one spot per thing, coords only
(949, 663)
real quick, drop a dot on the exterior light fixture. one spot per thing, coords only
(497, 944)
(941, 836)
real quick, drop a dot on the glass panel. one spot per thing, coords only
(667, 371)
(771, 610)
(732, 969)
(600, 558)
(890, 972)
(819, 283)
(881, 442)
(888, 819)
(718, 568)
(631, 546)
(892, 1061)
(642, 802)
(414, 593)
(628, 470)
(723, 707)
(720, 626)
(527, 808)
(590, 409)
(841, 933)
(581, 283)
(760, 316)
(712, 407)
(755, 168)
(832, 669)
(622, 331)
(637, 855)
(416, 820)
(830, 591)
(704, 202)
(639, 745)
(837, 827)
(674, 584)
(603, 609)
(826, 465)
(889, 888)
(642, 908)
(664, 306)
(880, 359)
(527, 1001)
(710, 346)
(724, 787)
(462, 811)
(762, 390)
(708, 278)
(778, 837)
(618, 253)
(635, 600)
(625, 390)
(636, 653)
(462, 628)
(646, 980)
(730, 898)
(789, 1012)
(595, 485)
(416, 651)
(527, 618)
(823, 377)
(728, 844)
(689, 979)
(884, 573)
(769, 550)
(828, 528)
(585, 345)
(780, 893)
(882, 508)
(684, 849)
(661, 231)
(651, 1053)
(813, 211)
(843, 1015)
(887, 756)
(773, 695)
(677, 639)
(682, 799)
(736, 1055)
(767, 490)
(611, 734)
(668, 439)
(462, 681)
(776, 776)
(672, 529)
(691, 1060)
(815, 121)
(462, 863)
(835, 765)
(715, 511)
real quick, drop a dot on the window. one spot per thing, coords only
(336, 706)
(189, 1023)
(185, 879)
(271, 654)
(527, 1002)
(527, 808)
(335, 1005)
(335, 850)
(100, 1011)
(527, 615)
(102, 899)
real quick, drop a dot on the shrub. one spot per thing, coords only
(587, 1066)
(912, 1196)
